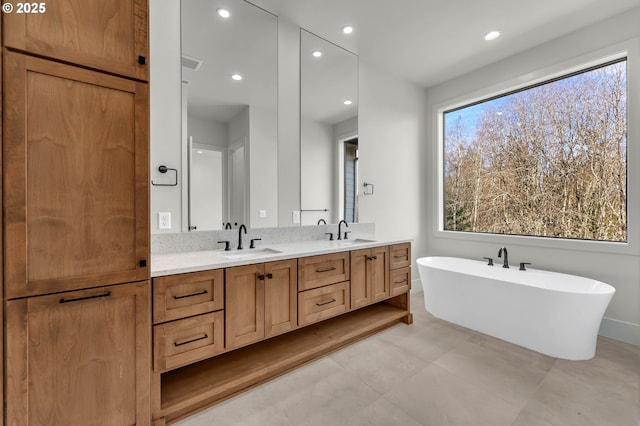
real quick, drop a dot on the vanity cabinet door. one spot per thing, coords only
(379, 273)
(80, 358)
(76, 192)
(369, 276)
(360, 284)
(280, 293)
(109, 35)
(244, 305)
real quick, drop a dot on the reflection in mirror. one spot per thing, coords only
(229, 117)
(328, 131)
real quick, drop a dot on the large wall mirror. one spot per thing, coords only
(229, 114)
(328, 131)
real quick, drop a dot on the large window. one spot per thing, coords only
(548, 160)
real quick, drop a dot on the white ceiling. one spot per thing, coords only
(431, 41)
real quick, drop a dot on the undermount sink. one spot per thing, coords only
(356, 241)
(250, 253)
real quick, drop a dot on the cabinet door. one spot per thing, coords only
(76, 178)
(80, 358)
(379, 272)
(244, 305)
(280, 297)
(109, 35)
(360, 282)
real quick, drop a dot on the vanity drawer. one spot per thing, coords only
(400, 281)
(185, 295)
(318, 271)
(399, 255)
(182, 342)
(324, 302)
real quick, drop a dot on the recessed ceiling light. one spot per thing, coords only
(347, 29)
(316, 53)
(236, 77)
(200, 152)
(492, 35)
(348, 102)
(224, 13)
(499, 113)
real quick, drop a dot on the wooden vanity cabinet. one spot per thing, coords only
(400, 269)
(369, 276)
(76, 178)
(79, 358)
(260, 302)
(108, 35)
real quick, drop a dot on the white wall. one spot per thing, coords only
(391, 135)
(263, 166)
(618, 267)
(165, 110)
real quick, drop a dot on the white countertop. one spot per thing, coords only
(179, 263)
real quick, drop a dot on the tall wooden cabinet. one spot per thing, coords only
(76, 210)
(76, 214)
(79, 358)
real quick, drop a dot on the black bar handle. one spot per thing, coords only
(372, 257)
(107, 294)
(269, 275)
(333, 268)
(261, 277)
(176, 344)
(325, 303)
(199, 293)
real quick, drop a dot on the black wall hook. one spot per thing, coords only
(164, 169)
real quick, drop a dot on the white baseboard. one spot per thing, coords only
(620, 330)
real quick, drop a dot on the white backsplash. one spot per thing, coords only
(208, 240)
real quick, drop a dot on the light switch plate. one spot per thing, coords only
(296, 216)
(262, 213)
(164, 220)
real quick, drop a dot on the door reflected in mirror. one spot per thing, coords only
(328, 131)
(229, 117)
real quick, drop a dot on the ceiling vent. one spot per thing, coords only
(191, 63)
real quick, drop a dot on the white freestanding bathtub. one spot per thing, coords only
(552, 313)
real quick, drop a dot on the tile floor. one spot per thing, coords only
(436, 373)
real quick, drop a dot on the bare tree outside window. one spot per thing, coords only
(548, 161)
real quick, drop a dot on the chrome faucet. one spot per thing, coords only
(505, 264)
(240, 235)
(340, 228)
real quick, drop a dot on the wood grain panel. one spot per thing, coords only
(400, 281)
(360, 284)
(80, 357)
(379, 273)
(244, 305)
(318, 271)
(76, 188)
(400, 255)
(183, 295)
(104, 35)
(322, 303)
(280, 297)
(182, 342)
